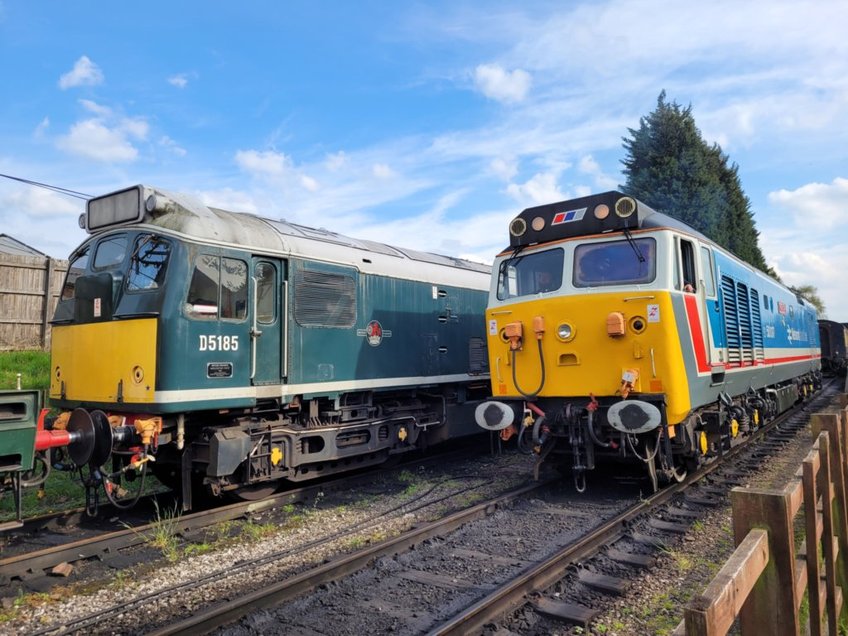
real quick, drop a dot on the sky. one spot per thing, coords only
(421, 124)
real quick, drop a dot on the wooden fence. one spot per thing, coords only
(766, 580)
(29, 290)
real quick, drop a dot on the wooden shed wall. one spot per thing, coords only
(29, 290)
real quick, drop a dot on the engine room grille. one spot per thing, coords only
(322, 299)
(742, 322)
(757, 323)
(731, 320)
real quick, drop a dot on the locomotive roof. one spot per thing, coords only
(602, 213)
(189, 216)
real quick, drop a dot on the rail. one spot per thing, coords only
(766, 580)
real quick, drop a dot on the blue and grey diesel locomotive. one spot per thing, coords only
(624, 334)
(231, 351)
(834, 347)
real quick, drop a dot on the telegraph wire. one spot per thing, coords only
(57, 189)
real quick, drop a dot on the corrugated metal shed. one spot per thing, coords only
(9, 245)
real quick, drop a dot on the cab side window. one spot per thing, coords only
(707, 272)
(266, 288)
(76, 268)
(687, 264)
(218, 288)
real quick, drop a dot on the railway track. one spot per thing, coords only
(622, 530)
(615, 540)
(626, 539)
(62, 529)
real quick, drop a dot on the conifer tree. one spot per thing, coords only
(670, 167)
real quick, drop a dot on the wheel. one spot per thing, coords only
(254, 492)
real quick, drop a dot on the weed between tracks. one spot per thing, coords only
(164, 535)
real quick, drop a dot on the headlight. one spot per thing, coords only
(565, 332)
(518, 226)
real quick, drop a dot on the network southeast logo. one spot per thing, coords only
(569, 216)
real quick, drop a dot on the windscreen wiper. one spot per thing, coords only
(633, 245)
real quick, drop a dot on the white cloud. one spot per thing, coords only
(540, 189)
(818, 205)
(588, 165)
(93, 139)
(179, 80)
(172, 146)
(504, 169)
(38, 202)
(84, 73)
(263, 162)
(94, 107)
(501, 85)
(336, 161)
(383, 171)
(804, 236)
(229, 199)
(309, 183)
(42, 128)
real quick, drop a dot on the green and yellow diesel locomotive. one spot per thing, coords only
(616, 332)
(228, 351)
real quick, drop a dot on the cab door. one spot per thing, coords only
(268, 320)
(709, 294)
(700, 300)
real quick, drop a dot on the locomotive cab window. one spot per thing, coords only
(536, 273)
(266, 286)
(110, 252)
(707, 272)
(148, 263)
(629, 262)
(687, 266)
(76, 268)
(218, 288)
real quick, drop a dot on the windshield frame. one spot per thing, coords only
(609, 256)
(531, 274)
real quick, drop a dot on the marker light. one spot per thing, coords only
(625, 206)
(518, 227)
(602, 211)
(565, 332)
(538, 224)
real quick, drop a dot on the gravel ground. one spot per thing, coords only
(376, 515)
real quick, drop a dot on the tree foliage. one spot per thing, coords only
(670, 167)
(810, 293)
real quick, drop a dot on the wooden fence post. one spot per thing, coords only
(771, 606)
(834, 424)
(811, 468)
(48, 297)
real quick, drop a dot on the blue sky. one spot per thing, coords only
(427, 125)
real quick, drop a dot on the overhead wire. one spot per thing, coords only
(57, 189)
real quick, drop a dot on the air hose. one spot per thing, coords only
(107, 487)
(530, 396)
